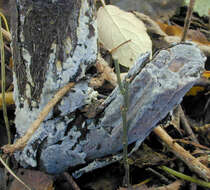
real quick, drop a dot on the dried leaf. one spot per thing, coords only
(206, 74)
(195, 90)
(175, 30)
(122, 27)
(35, 179)
(161, 40)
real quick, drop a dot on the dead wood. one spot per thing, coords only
(42, 65)
(193, 163)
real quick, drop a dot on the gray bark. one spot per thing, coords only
(54, 42)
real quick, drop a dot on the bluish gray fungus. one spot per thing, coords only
(154, 91)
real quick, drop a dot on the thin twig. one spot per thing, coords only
(21, 143)
(186, 125)
(159, 175)
(5, 21)
(188, 20)
(71, 181)
(3, 84)
(103, 3)
(13, 174)
(202, 128)
(123, 43)
(142, 183)
(192, 143)
(124, 91)
(184, 155)
(185, 177)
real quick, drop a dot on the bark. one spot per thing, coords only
(55, 42)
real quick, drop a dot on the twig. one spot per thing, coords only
(202, 128)
(159, 175)
(5, 21)
(8, 98)
(123, 43)
(3, 84)
(188, 20)
(184, 155)
(71, 181)
(124, 91)
(185, 177)
(186, 125)
(142, 183)
(192, 143)
(21, 143)
(103, 3)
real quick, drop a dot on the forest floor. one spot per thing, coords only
(146, 171)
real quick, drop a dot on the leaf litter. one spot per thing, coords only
(165, 35)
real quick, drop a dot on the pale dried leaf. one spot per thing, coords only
(115, 27)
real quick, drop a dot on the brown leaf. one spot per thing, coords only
(34, 179)
(175, 30)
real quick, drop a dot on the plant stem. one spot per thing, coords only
(3, 86)
(185, 177)
(188, 20)
(5, 21)
(124, 91)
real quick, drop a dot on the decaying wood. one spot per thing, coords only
(21, 143)
(53, 44)
(155, 90)
(193, 163)
(42, 65)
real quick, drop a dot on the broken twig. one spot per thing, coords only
(21, 143)
(184, 155)
(188, 20)
(186, 125)
(71, 181)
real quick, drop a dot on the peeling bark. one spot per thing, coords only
(54, 42)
